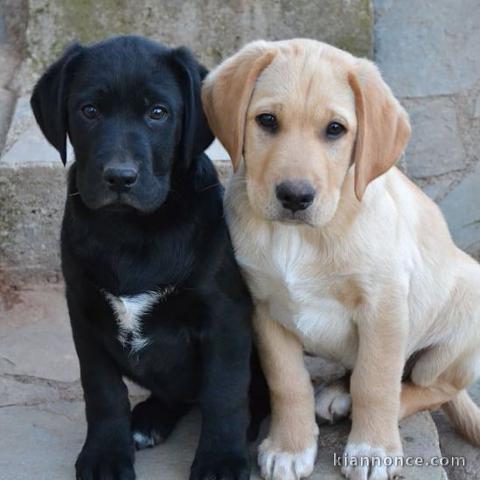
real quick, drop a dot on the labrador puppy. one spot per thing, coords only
(346, 258)
(153, 290)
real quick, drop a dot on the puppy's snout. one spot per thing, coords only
(295, 195)
(120, 179)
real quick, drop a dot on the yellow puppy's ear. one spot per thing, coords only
(227, 91)
(383, 126)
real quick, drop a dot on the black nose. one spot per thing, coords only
(295, 195)
(120, 179)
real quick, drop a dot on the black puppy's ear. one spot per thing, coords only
(196, 134)
(49, 100)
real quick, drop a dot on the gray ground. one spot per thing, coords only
(41, 406)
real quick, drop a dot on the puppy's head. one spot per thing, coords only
(133, 113)
(298, 114)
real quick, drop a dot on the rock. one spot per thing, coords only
(428, 48)
(460, 207)
(435, 147)
(214, 29)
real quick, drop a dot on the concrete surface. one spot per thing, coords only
(214, 29)
(41, 407)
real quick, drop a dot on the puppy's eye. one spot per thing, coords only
(158, 112)
(267, 121)
(90, 111)
(335, 129)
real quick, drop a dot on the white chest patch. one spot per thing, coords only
(130, 309)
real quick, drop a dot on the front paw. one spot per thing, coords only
(278, 464)
(220, 467)
(103, 463)
(362, 461)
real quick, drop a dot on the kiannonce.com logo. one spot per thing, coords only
(364, 461)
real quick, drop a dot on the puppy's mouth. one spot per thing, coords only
(123, 202)
(295, 218)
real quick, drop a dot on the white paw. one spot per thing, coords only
(141, 440)
(365, 462)
(278, 465)
(332, 403)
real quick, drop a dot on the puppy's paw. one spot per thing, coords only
(276, 464)
(152, 423)
(220, 467)
(367, 462)
(332, 403)
(147, 438)
(100, 464)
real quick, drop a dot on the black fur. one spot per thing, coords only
(167, 229)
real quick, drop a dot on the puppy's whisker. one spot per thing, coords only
(74, 194)
(210, 186)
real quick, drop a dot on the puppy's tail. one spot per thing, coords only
(464, 415)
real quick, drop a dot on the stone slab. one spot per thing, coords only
(429, 47)
(42, 442)
(435, 147)
(214, 29)
(35, 336)
(460, 207)
(419, 438)
(42, 413)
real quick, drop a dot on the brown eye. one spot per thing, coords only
(158, 112)
(90, 112)
(334, 130)
(267, 121)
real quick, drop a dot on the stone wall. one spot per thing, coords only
(214, 29)
(32, 179)
(429, 53)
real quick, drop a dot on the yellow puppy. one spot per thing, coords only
(346, 258)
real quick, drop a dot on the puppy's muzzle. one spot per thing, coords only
(295, 195)
(120, 179)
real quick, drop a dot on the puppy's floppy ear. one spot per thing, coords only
(227, 92)
(49, 100)
(196, 134)
(383, 126)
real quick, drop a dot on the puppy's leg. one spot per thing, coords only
(153, 420)
(225, 348)
(333, 401)
(375, 387)
(289, 451)
(416, 398)
(108, 450)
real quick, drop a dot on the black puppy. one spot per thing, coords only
(153, 290)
